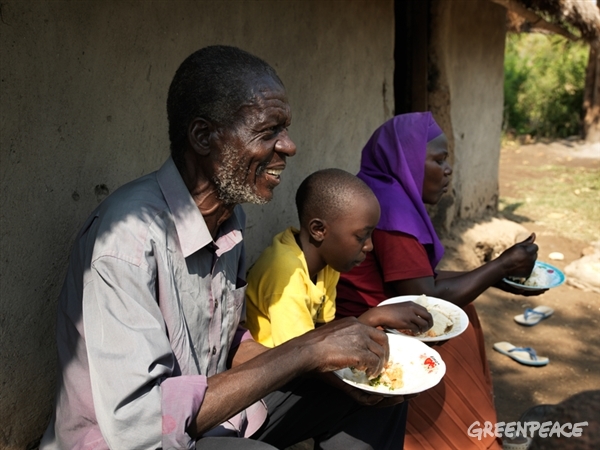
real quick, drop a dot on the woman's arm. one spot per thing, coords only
(461, 288)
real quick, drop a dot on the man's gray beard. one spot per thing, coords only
(229, 180)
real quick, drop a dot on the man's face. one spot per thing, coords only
(253, 152)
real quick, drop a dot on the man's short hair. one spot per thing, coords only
(329, 193)
(212, 83)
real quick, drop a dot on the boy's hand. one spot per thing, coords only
(399, 316)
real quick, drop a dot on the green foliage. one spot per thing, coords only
(544, 77)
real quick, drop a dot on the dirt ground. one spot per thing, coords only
(570, 337)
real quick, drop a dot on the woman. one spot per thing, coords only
(406, 165)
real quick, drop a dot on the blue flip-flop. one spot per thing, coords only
(533, 316)
(524, 355)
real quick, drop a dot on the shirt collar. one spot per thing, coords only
(190, 225)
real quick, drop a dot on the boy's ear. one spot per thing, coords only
(317, 228)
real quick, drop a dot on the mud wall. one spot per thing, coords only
(83, 88)
(466, 95)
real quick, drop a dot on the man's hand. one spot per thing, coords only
(360, 396)
(399, 316)
(255, 373)
(368, 398)
(345, 343)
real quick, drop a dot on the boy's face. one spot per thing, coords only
(348, 238)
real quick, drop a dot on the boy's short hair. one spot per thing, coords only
(328, 193)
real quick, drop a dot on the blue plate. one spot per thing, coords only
(555, 277)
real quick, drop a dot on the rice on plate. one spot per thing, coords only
(543, 276)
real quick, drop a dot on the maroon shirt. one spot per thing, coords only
(395, 256)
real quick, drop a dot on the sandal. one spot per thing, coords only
(524, 355)
(534, 316)
(517, 443)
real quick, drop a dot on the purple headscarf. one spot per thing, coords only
(393, 165)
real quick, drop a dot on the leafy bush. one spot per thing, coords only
(544, 77)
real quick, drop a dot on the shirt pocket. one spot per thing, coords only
(236, 309)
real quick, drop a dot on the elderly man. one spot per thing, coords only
(151, 351)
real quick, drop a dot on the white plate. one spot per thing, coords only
(422, 367)
(456, 314)
(556, 278)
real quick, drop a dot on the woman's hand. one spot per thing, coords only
(399, 316)
(518, 260)
(461, 288)
(518, 291)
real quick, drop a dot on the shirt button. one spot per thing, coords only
(216, 303)
(214, 350)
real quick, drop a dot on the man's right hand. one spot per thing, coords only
(362, 397)
(336, 345)
(346, 343)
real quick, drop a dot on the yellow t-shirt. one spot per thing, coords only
(281, 300)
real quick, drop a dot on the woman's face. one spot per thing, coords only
(437, 170)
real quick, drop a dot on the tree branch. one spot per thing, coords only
(535, 20)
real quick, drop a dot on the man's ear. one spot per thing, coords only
(317, 228)
(199, 133)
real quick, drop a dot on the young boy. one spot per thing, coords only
(292, 286)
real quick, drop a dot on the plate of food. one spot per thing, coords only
(543, 276)
(448, 319)
(412, 367)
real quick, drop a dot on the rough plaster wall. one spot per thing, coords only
(83, 111)
(466, 77)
